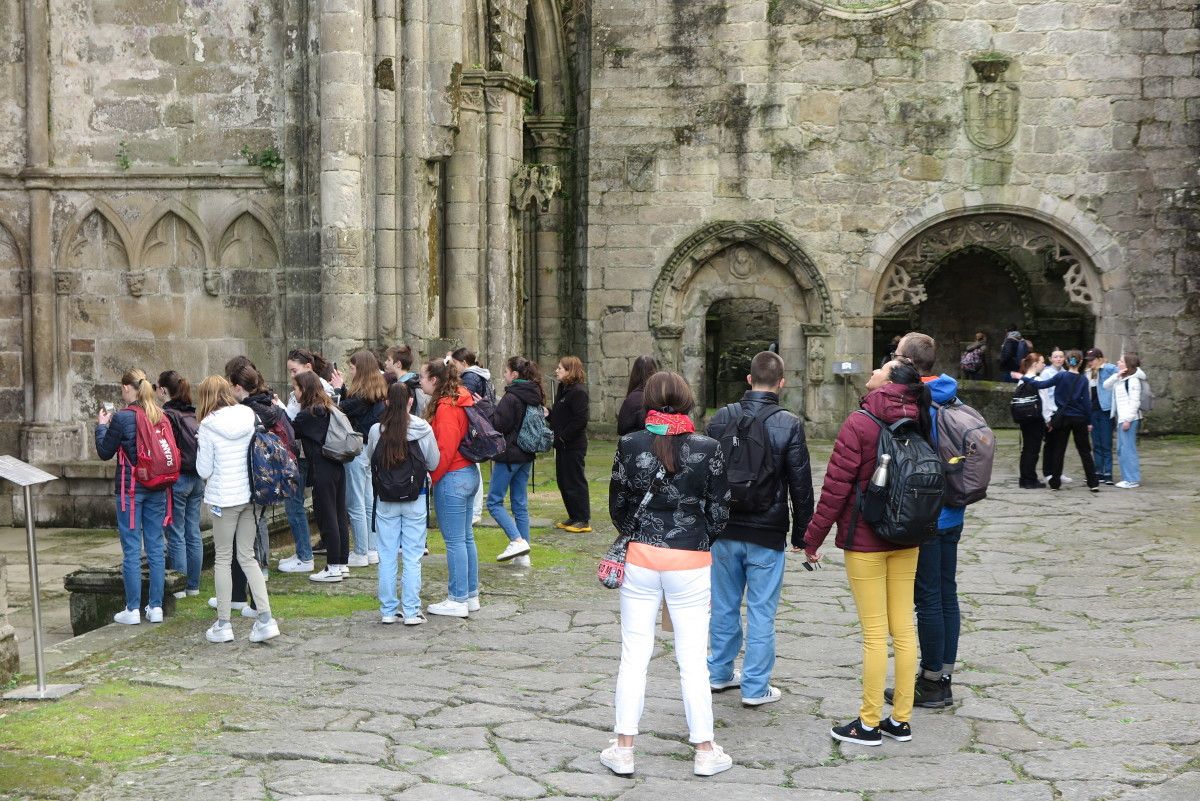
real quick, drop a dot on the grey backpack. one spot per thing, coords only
(342, 442)
(534, 435)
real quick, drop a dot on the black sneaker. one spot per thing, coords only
(853, 732)
(901, 732)
(928, 694)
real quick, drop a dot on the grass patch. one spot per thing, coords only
(87, 533)
(292, 595)
(112, 723)
(41, 777)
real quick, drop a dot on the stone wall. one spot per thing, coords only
(854, 132)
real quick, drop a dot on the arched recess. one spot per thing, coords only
(742, 260)
(172, 237)
(95, 238)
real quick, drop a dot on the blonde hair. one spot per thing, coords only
(135, 378)
(214, 392)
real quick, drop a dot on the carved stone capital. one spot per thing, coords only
(135, 282)
(471, 100)
(212, 281)
(66, 282)
(553, 132)
(493, 100)
(535, 183)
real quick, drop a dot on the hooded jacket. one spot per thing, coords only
(221, 459)
(449, 424)
(850, 467)
(311, 426)
(1126, 395)
(477, 380)
(361, 413)
(794, 477)
(632, 414)
(569, 417)
(420, 435)
(174, 410)
(943, 389)
(510, 414)
(120, 433)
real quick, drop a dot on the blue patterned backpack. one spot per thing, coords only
(274, 475)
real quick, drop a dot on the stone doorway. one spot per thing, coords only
(735, 330)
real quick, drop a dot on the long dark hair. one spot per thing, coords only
(527, 370)
(668, 393)
(446, 384)
(643, 368)
(314, 360)
(311, 393)
(176, 385)
(918, 393)
(367, 383)
(393, 427)
(248, 378)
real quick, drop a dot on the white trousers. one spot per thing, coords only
(687, 596)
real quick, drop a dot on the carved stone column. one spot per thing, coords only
(387, 279)
(466, 216)
(551, 140)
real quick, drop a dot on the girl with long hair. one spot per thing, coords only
(142, 526)
(1073, 409)
(455, 481)
(326, 476)
(569, 419)
(511, 469)
(362, 403)
(1127, 385)
(669, 493)
(397, 438)
(185, 549)
(881, 573)
(226, 429)
(632, 414)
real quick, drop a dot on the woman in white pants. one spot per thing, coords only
(669, 491)
(226, 428)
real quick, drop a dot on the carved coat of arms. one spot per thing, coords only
(990, 107)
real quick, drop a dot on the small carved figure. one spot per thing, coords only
(816, 360)
(135, 281)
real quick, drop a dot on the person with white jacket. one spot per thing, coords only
(226, 429)
(401, 525)
(1126, 385)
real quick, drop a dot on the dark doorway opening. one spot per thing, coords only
(735, 330)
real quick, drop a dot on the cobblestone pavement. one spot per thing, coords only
(1079, 681)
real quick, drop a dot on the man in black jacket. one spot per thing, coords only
(749, 557)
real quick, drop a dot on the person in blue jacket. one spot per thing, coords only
(1072, 396)
(1098, 371)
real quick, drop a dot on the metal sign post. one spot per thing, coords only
(845, 371)
(26, 476)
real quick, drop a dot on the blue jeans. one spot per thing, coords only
(453, 497)
(185, 550)
(150, 508)
(1127, 455)
(1102, 439)
(297, 517)
(360, 501)
(743, 567)
(513, 480)
(401, 531)
(936, 597)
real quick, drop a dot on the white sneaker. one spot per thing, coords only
(261, 632)
(154, 614)
(129, 617)
(372, 557)
(415, 620)
(180, 594)
(473, 604)
(345, 570)
(358, 560)
(773, 695)
(330, 574)
(710, 763)
(1063, 479)
(721, 686)
(295, 566)
(476, 520)
(235, 605)
(218, 633)
(1127, 484)
(515, 548)
(387, 620)
(617, 759)
(448, 608)
(522, 561)
(248, 612)
(191, 593)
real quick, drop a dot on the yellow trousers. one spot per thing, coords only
(882, 585)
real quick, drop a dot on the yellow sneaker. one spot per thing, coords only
(578, 528)
(563, 524)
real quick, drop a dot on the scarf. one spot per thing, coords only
(668, 424)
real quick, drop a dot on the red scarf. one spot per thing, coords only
(668, 424)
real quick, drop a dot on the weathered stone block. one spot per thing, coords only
(99, 593)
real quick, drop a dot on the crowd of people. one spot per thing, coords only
(706, 520)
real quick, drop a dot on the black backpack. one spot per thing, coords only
(1026, 404)
(749, 461)
(402, 482)
(187, 432)
(905, 512)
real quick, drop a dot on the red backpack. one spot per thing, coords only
(158, 459)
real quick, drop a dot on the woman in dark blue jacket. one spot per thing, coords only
(1072, 396)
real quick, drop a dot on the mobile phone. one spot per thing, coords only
(335, 365)
(108, 406)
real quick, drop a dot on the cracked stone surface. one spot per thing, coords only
(1078, 680)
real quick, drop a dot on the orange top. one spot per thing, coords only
(663, 559)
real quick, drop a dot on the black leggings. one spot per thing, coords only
(329, 509)
(1056, 444)
(1032, 434)
(572, 484)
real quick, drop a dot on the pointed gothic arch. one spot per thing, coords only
(117, 240)
(172, 235)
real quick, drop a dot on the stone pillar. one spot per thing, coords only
(414, 252)
(347, 288)
(551, 138)
(466, 218)
(386, 221)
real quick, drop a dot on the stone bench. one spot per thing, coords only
(98, 593)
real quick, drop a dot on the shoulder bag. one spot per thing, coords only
(611, 572)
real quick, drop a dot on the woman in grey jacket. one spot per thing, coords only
(226, 429)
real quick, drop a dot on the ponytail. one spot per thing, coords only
(135, 378)
(905, 373)
(176, 385)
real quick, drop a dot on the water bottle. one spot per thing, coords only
(874, 501)
(880, 477)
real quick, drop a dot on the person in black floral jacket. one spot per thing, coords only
(669, 492)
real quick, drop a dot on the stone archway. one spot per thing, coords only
(743, 261)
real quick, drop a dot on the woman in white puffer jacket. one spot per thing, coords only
(1126, 385)
(226, 429)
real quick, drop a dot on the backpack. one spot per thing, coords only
(482, 441)
(749, 461)
(1146, 399)
(403, 482)
(187, 433)
(906, 511)
(1026, 404)
(158, 460)
(534, 436)
(971, 361)
(274, 474)
(967, 447)
(283, 429)
(342, 443)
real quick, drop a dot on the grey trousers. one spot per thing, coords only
(235, 527)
